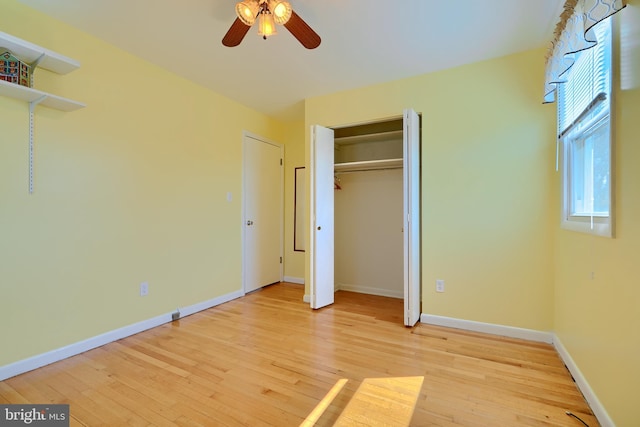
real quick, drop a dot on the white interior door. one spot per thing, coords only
(263, 207)
(411, 171)
(321, 201)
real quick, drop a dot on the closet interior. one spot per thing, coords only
(368, 212)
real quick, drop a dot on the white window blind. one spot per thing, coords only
(584, 107)
(587, 82)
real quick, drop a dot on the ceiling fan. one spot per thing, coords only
(268, 13)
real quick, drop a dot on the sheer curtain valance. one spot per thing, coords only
(574, 33)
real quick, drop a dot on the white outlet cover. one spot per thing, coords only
(439, 285)
(144, 289)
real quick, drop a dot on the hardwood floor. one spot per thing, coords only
(267, 360)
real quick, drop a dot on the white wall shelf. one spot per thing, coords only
(31, 53)
(48, 100)
(37, 56)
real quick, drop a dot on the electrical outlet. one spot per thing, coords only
(439, 285)
(175, 316)
(144, 289)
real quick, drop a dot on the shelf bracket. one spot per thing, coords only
(32, 106)
(35, 63)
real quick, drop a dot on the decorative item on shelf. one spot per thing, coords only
(336, 183)
(14, 70)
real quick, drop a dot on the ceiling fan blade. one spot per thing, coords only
(302, 31)
(236, 33)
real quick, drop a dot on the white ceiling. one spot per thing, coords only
(363, 41)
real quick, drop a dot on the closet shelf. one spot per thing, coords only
(370, 137)
(368, 165)
(28, 94)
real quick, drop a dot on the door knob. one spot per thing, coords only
(319, 227)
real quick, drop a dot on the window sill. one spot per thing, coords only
(600, 226)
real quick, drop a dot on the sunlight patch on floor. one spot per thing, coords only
(378, 401)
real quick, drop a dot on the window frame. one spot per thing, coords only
(593, 223)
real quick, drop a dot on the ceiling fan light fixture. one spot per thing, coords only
(268, 13)
(247, 11)
(266, 25)
(281, 11)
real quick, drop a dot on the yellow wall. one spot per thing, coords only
(294, 157)
(598, 320)
(367, 211)
(487, 170)
(133, 188)
(491, 209)
(130, 189)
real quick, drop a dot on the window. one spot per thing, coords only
(584, 116)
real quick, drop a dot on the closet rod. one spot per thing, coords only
(367, 170)
(369, 165)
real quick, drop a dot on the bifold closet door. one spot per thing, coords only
(411, 172)
(322, 223)
(321, 245)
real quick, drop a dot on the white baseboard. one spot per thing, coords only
(38, 361)
(298, 280)
(187, 311)
(56, 355)
(596, 406)
(370, 291)
(528, 334)
(488, 328)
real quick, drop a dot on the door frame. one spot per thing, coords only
(411, 276)
(243, 216)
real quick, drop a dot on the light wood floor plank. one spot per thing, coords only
(267, 360)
